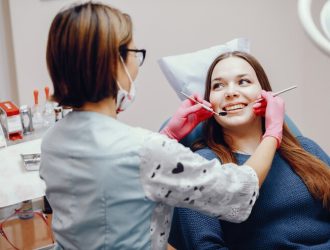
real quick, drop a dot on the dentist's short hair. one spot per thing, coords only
(83, 52)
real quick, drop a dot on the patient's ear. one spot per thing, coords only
(187, 72)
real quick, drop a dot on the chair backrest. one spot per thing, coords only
(197, 132)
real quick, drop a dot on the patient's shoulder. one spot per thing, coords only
(207, 153)
(312, 147)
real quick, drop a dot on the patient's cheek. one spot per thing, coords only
(215, 100)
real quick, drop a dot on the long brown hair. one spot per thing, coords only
(83, 52)
(314, 172)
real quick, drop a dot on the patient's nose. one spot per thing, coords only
(231, 91)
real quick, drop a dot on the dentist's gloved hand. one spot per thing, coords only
(186, 118)
(274, 116)
(259, 108)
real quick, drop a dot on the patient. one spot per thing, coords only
(292, 210)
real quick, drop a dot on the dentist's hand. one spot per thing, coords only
(274, 114)
(186, 118)
(259, 108)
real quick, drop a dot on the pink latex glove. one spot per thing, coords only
(274, 115)
(186, 118)
(259, 108)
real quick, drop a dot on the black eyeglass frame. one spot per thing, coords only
(123, 52)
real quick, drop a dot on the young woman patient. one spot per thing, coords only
(292, 210)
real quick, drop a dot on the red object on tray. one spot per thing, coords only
(11, 120)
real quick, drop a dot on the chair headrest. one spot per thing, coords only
(187, 72)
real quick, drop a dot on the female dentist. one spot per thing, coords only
(113, 186)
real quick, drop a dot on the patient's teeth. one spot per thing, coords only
(236, 106)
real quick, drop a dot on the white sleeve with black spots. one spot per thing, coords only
(174, 175)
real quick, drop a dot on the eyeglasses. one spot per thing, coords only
(36, 227)
(139, 53)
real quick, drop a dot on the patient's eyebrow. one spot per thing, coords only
(217, 79)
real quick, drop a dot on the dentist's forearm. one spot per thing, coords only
(262, 158)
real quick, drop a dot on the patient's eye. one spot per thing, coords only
(217, 86)
(244, 81)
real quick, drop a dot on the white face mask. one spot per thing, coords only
(125, 99)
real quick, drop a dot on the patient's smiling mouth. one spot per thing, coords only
(234, 106)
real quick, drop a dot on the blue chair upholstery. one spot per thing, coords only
(197, 132)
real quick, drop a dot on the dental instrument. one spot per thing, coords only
(223, 113)
(278, 93)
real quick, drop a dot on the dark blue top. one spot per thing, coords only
(285, 215)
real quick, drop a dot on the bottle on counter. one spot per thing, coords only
(48, 112)
(26, 117)
(37, 118)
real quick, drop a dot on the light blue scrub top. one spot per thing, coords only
(112, 186)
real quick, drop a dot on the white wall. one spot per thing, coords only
(8, 89)
(172, 27)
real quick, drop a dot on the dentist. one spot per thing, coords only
(113, 186)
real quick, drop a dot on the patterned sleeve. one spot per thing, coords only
(174, 175)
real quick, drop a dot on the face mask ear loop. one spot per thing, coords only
(120, 87)
(126, 71)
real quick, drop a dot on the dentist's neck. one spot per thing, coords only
(106, 106)
(244, 139)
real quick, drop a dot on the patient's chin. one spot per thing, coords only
(237, 119)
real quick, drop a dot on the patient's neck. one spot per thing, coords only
(244, 139)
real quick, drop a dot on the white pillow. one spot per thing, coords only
(187, 72)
